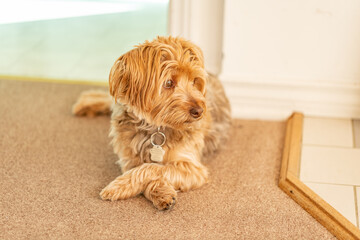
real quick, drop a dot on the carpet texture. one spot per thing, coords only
(54, 165)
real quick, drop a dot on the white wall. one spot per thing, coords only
(285, 55)
(279, 56)
(200, 21)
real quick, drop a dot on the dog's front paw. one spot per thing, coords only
(164, 202)
(120, 188)
(162, 194)
(111, 194)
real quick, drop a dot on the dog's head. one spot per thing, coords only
(162, 81)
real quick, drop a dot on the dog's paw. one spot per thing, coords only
(111, 194)
(114, 193)
(119, 189)
(162, 194)
(164, 202)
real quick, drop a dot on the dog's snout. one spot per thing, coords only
(196, 112)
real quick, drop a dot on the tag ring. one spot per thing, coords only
(152, 138)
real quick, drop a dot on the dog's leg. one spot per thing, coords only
(184, 175)
(92, 103)
(145, 179)
(132, 182)
(157, 182)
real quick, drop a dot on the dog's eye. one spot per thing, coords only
(169, 83)
(199, 84)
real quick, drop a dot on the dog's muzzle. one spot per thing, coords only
(196, 112)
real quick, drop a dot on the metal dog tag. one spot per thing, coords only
(157, 153)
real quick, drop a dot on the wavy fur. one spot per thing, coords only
(141, 104)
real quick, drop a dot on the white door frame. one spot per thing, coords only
(200, 21)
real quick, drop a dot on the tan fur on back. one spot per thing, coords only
(194, 115)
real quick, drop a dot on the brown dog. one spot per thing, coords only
(167, 113)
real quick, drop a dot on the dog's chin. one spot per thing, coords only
(193, 120)
(186, 124)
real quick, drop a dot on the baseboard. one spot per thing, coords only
(276, 100)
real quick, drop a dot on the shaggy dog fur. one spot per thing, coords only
(160, 86)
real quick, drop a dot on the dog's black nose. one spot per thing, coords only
(196, 112)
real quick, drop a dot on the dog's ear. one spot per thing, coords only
(118, 78)
(194, 51)
(132, 76)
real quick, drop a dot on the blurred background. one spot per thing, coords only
(74, 39)
(274, 57)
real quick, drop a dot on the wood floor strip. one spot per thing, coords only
(356, 132)
(290, 183)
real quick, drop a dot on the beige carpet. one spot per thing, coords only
(54, 165)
